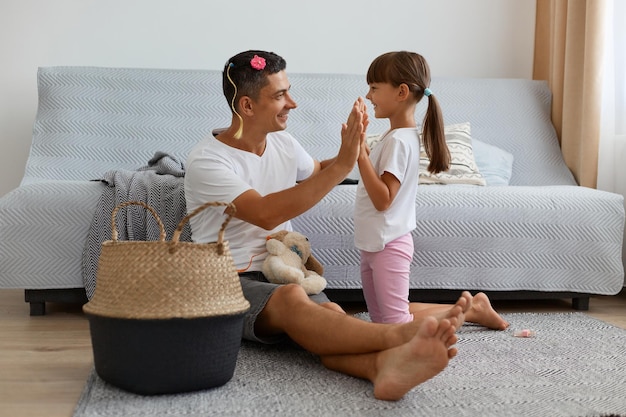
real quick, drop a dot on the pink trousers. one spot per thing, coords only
(385, 281)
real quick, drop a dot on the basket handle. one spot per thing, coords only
(220, 235)
(136, 203)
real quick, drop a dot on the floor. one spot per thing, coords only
(45, 360)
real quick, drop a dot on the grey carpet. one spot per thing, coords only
(574, 366)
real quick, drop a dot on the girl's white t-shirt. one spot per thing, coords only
(218, 172)
(397, 153)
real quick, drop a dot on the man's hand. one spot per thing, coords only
(353, 135)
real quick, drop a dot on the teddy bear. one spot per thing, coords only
(289, 260)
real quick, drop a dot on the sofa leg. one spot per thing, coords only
(580, 303)
(37, 308)
(36, 301)
(38, 298)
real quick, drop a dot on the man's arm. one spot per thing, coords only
(273, 209)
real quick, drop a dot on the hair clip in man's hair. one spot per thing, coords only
(257, 62)
(239, 131)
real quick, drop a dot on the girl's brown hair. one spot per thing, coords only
(410, 68)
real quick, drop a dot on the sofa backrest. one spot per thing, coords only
(512, 114)
(91, 120)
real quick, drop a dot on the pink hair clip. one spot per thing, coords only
(258, 63)
(525, 333)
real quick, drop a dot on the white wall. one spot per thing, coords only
(464, 38)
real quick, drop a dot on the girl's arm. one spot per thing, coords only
(381, 189)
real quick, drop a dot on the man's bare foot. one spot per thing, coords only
(404, 367)
(481, 312)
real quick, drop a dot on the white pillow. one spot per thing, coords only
(463, 168)
(495, 164)
(373, 139)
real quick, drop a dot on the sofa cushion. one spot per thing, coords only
(463, 169)
(494, 164)
(516, 238)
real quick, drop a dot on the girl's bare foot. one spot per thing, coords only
(465, 303)
(481, 312)
(444, 311)
(401, 368)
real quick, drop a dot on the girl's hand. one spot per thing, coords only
(365, 150)
(363, 109)
(352, 137)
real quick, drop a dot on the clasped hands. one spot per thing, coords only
(353, 134)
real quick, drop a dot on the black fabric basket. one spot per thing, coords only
(151, 357)
(166, 316)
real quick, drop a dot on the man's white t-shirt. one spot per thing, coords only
(218, 172)
(397, 153)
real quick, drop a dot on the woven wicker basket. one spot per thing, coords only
(166, 316)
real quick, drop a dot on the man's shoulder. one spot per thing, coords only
(208, 149)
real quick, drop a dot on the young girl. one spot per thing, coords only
(384, 213)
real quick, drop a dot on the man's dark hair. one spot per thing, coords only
(249, 80)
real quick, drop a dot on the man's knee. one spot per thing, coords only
(291, 296)
(279, 308)
(290, 293)
(333, 306)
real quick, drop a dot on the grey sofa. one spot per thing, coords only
(539, 236)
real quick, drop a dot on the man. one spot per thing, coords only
(271, 179)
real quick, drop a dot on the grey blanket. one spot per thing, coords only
(160, 185)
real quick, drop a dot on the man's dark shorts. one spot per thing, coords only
(257, 290)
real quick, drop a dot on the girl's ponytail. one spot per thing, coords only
(433, 136)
